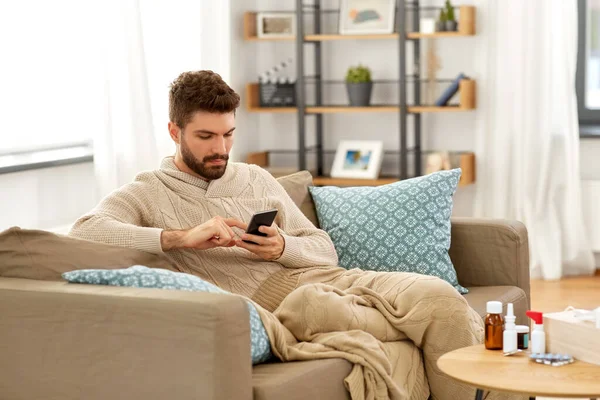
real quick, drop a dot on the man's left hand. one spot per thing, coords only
(268, 247)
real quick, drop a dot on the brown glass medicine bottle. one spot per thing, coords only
(494, 326)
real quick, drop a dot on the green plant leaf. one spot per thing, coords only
(358, 74)
(449, 11)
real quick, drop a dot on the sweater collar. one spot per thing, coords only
(168, 167)
(224, 186)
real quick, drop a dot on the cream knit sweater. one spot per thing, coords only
(167, 199)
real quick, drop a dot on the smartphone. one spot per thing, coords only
(259, 219)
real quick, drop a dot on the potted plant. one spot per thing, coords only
(440, 24)
(359, 86)
(451, 24)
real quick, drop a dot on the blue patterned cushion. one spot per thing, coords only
(403, 226)
(144, 277)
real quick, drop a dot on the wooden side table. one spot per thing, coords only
(490, 370)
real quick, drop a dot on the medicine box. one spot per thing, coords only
(567, 334)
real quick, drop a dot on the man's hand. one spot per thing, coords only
(216, 232)
(268, 247)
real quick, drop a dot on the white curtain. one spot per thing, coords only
(528, 141)
(147, 45)
(128, 144)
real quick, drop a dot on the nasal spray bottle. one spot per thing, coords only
(509, 340)
(538, 336)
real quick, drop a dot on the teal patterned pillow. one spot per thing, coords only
(144, 277)
(403, 226)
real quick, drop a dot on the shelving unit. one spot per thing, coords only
(467, 88)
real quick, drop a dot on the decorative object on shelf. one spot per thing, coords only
(276, 89)
(359, 86)
(427, 25)
(366, 16)
(359, 159)
(450, 91)
(451, 24)
(437, 161)
(275, 25)
(433, 65)
(440, 24)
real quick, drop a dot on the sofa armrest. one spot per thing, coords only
(69, 341)
(490, 252)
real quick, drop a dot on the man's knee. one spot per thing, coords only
(434, 285)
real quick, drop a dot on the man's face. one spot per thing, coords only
(205, 143)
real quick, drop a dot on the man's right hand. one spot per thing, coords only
(216, 232)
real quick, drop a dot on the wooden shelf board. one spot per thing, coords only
(466, 27)
(327, 181)
(466, 98)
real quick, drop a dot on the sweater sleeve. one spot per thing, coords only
(123, 218)
(305, 245)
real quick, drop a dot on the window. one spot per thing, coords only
(51, 77)
(588, 62)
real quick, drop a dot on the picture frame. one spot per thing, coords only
(366, 17)
(360, 159)
(275, 25)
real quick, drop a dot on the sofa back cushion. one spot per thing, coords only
(296, 185)
(34, 254)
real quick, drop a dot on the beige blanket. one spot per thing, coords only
(318, 321)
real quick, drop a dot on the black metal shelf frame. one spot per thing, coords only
(317, 80)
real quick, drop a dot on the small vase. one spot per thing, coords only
(451, 26)
(359, 94)
(440, 26)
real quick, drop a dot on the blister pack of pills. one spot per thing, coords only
(556, 360)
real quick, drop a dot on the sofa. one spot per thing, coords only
(67, 341)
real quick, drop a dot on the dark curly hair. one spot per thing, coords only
(200, 91)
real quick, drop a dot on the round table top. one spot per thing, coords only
(489, 369)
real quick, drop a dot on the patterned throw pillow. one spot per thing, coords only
(403, 226)
(144, 277)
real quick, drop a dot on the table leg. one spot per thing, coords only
(479, 394)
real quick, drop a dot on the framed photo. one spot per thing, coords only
(275, 25)
(358, 159)
(367, 16)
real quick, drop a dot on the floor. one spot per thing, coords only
(550, 296)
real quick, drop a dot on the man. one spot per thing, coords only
(195, 209)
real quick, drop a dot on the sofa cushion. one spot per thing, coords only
(34, 254)
(478, 296)
(143, 277)
(403, 226)
(300, 380)
(296, 185)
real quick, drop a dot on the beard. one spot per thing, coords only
(200, 167)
